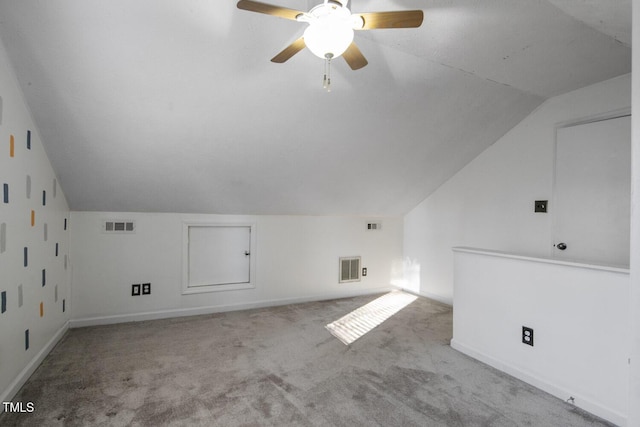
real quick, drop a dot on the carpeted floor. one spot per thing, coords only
(280, 367)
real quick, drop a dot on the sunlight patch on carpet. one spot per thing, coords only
(360, 321)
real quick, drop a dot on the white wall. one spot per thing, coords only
(634, 392)
(296, 260)
(579, 315)
(489, 203)
(16, 361)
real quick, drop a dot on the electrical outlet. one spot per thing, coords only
(364, 271)
(135, 290)
(146, 289)
(527, 336)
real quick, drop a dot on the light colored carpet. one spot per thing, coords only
(280, 367)
(363, 319)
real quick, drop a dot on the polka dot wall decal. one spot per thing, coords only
(65, 224)
(41, 309)
(44, 198)
(12, 146)
(5, 192)
(26, 256)
(57, 247)
(3, 301)
(64, 305)
(26, 340)
(33, 218)
(28, 186)
(46, 232)
(28, 140)
(19, 295)
(44, 277)
(55, 294)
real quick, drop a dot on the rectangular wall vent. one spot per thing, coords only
(374, 226)
(118, 226)
(350, 269)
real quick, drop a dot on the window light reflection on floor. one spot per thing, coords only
(360, 321)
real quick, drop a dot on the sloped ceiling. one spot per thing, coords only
(174, 106)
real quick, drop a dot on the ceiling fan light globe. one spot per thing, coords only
(357, 22)
(323, 39)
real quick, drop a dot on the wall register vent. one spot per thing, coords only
(350, 269)
(118, 226)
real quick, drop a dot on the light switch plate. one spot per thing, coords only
(541, 206)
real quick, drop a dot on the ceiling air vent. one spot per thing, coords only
(350, 269)
(374, 226)
(118, 226)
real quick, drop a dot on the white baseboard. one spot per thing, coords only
(183, 312)
(543, 384)
(28, 370)
(435, 297)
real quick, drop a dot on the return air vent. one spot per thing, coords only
(374, 226)
(118, 226)
(350, 269)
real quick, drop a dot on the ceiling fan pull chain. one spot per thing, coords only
(324, 81)
(327, 72)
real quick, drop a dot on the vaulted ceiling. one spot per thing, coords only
(174, 106)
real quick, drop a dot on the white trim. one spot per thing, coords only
(190, 290)
(33, 364)
(557, 391)
(195, 311)
(544, 260)
(435, 297)
(615, 114)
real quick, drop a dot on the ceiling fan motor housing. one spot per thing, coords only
(330, 32)
(342, 3)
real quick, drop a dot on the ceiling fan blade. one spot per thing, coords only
(269, 9)
(289, 51)
(398, 19)
(354, 57)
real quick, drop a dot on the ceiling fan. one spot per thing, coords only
(331, 29)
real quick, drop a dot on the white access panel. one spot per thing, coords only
(219, 255)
